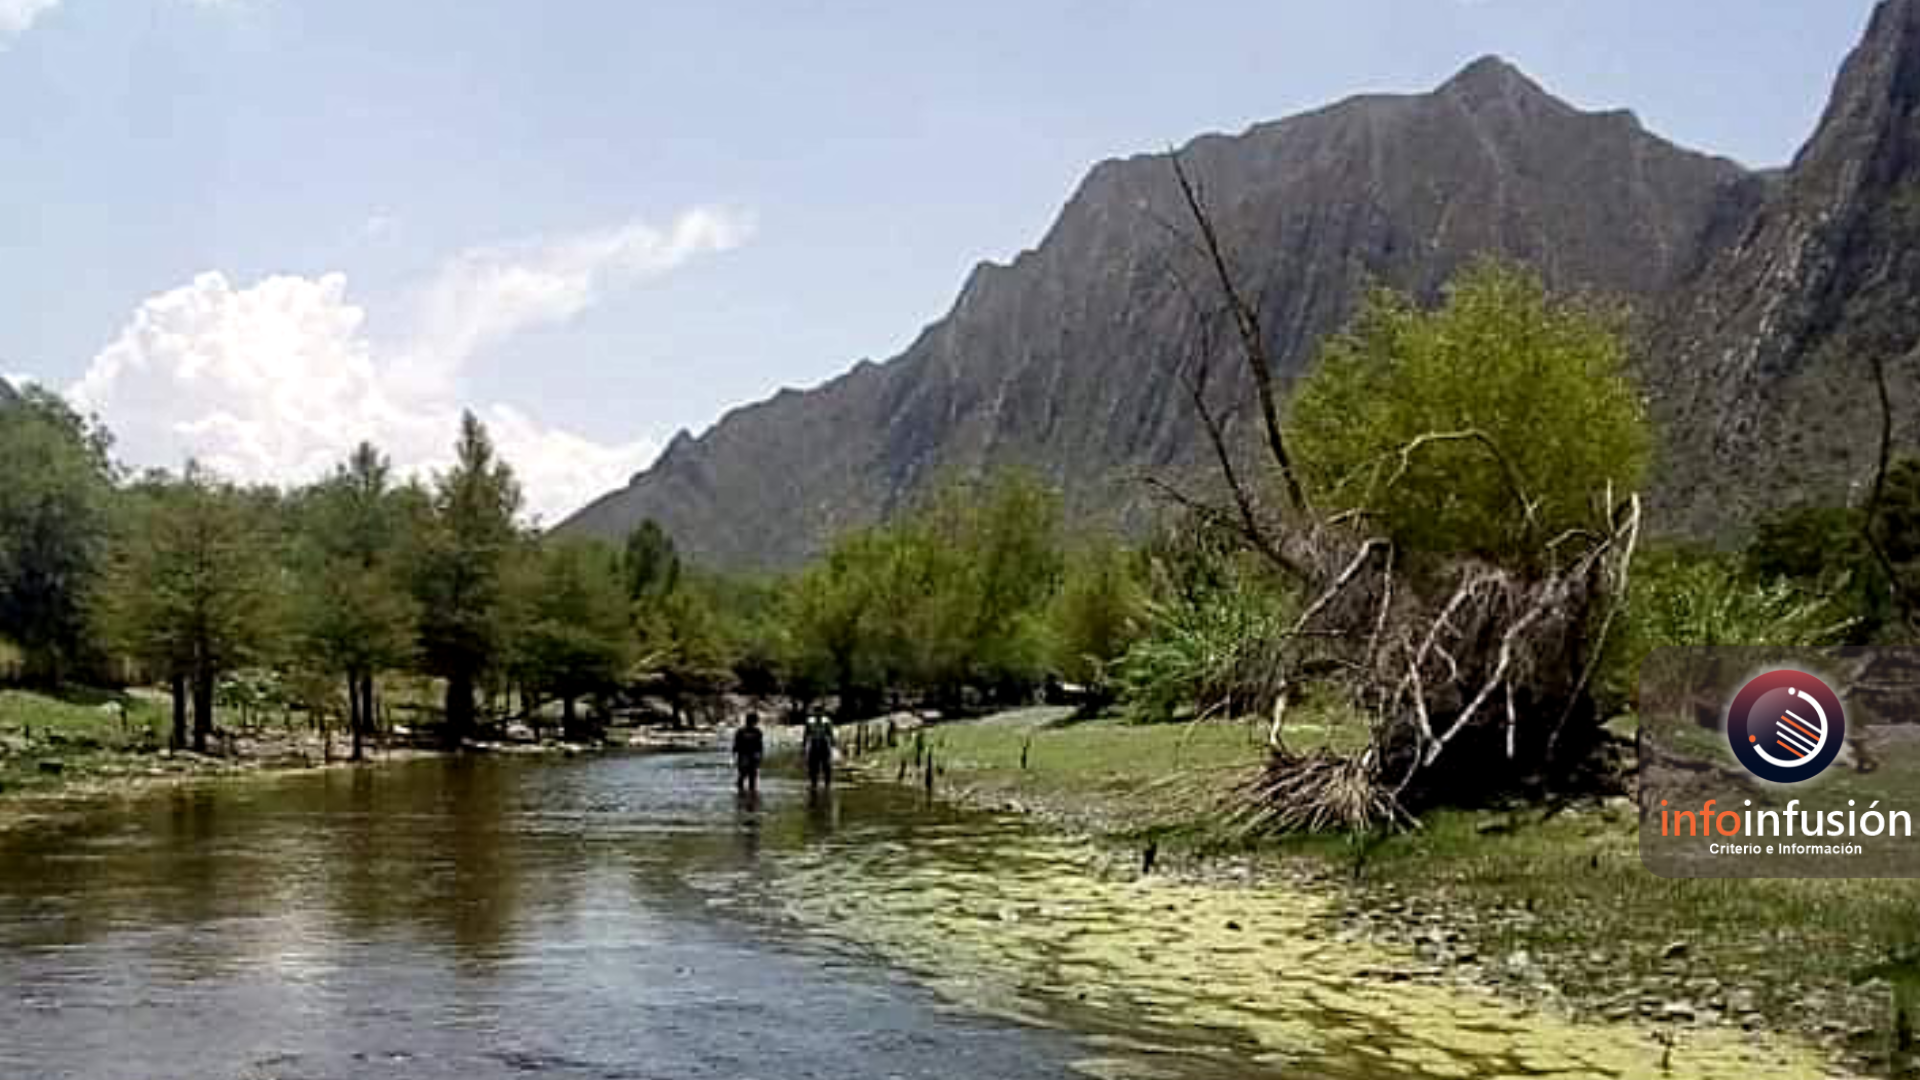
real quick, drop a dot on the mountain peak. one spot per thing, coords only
(1490, 76)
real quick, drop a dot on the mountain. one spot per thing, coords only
(7, 394)
(1765, 388)
(1064, 361)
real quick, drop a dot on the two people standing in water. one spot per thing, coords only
(750, 749)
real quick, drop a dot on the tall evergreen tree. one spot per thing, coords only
(458, 570)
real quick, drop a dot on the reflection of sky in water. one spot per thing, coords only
(470, 919)
(632, 916)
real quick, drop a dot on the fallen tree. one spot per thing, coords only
(1457, 585)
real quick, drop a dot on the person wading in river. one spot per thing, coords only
(817, 745)
(749, 746)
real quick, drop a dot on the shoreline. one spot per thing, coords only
(1419, 900)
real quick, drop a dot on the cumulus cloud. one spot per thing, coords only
(277, 380)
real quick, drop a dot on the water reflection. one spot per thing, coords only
(468, 918)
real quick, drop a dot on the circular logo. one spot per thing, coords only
(1786, 726)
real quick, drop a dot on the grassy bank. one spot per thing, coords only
(83, 743)
(1544, 903)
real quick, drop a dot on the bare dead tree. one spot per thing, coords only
(1466, 652)
(1253, 340)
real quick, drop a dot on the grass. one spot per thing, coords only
(83, 730)
(1104, 773)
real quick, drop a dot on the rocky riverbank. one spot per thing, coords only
(1549, 908)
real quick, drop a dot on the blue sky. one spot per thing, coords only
(257, 230)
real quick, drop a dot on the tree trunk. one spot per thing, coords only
(569, 719)
(459, 721)
(354, 721)
(366, 710)
(202, 707)
(179, 740)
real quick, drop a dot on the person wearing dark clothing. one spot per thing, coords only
(817, 746)
(749, 746)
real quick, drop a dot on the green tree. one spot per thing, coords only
(458, 571)
(55, 484)
(994, 554)
(650, 563)
(1488, 425)
(948, 597)
(577, 640)
(193, 589)
(1097, 614)
(829, 612)
(354, 614)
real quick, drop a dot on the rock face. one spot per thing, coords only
(1065, 360)
(1762, 373)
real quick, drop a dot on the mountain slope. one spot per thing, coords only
(1766, 392)
(1064, 361)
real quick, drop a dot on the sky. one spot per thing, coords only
(255, 232)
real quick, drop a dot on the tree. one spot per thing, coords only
(457, 572)
(944, 598)
(1485, 426)
(356, 618)
(193, 589)
(1097, 614)
(995, 555)
(55, 483)
(577, 640)
(650, 563)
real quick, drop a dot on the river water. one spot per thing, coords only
(630, 917)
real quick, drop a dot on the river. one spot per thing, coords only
(628, 916)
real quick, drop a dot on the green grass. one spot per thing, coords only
(81, 729)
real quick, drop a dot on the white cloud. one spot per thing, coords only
(17, 15)
(487, 294)
(276, 381)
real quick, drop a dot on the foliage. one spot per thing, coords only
(1485, 426)
(1200, 640)
(354, 616)
(1682, 598)
(1097, 614)
(458, 569)
(650, 564)
(55, 483)
(193, 587)
(575, 640)
(946, 598)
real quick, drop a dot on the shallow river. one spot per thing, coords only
(629, 917)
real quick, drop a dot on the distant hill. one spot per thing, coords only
(1063, 361)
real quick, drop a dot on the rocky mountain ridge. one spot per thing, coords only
(1065, 360)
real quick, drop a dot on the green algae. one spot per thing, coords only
(1187, 979)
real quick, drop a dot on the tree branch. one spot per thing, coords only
(1252, 338)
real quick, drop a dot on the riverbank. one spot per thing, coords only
(1550, 908)
(60, 752)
